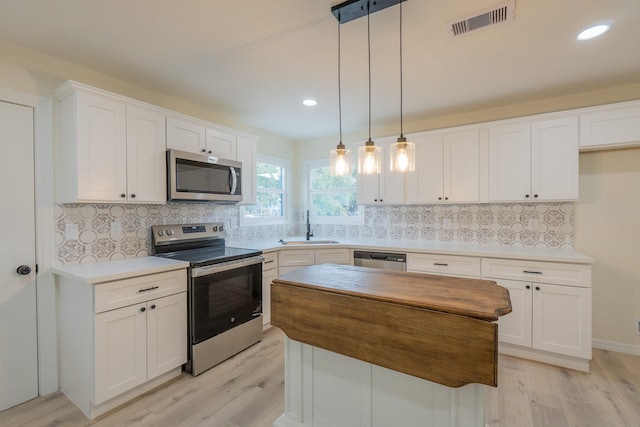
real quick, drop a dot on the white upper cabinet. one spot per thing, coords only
(246, 149)
(449, 168)
(510, 162)
(146, 170)
(107, 150)
(196, 137)
(616, 125)
(185, 135)
(554, 159)
(386, 188)
(534, 161)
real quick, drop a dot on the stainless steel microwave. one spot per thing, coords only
(201, 177)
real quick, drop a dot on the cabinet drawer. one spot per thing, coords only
(539, 272)
(296, 257)
(121, 293)
(270, 261)
(444, 264)
(334, 256)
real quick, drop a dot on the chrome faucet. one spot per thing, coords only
(309, 232)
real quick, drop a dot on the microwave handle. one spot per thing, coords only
(234, 179)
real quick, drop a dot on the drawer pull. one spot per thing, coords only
(148, 289)
(269, 262)
(441, 264)
(532, 272)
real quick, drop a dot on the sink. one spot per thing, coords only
(308, 242)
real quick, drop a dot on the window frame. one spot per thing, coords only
(285, 164)
(338, 220)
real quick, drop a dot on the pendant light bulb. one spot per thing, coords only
(402, 153)
(340, 161)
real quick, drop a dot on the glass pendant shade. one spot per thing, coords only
(403, 156)
(369, 159)
(340, 161)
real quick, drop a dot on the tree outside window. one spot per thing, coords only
(332, 199)
(271, 206)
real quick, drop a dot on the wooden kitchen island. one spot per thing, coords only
(369, 347)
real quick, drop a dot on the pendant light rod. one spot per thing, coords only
(369, 142)
(341, 145)
(401, 87)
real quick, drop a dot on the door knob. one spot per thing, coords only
(23, 270)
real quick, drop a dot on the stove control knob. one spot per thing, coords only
(160, 232)
(222, 228)
(169, 232)
(215, 228)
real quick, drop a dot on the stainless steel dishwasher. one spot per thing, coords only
(383, 260)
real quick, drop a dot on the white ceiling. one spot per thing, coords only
(256, 60)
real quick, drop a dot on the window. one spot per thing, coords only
(271, 199)
(332, 199)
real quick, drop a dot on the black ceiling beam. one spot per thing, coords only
(354, 9)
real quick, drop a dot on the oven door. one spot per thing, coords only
(224, 296)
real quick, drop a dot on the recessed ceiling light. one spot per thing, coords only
(595, 31)
(309, 102)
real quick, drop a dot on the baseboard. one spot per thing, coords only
(616, 346)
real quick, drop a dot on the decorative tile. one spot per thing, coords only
(487, 224)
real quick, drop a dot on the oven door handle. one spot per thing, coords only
(225, 266)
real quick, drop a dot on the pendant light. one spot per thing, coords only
(369, 155)
(402, 153)
(340, 158)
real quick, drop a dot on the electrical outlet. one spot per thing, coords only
(533, 224)
(71, 231)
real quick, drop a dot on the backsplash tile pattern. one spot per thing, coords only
(549, 225)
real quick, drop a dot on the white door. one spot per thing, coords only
(424, 185)
(462, 166)
(515, 327)
(166, 334)
(18, 333)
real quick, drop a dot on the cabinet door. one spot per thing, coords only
(510, 163)
(462, 166)
(515, 327)
(146, 159)
(333, 256)
(246, 154)
(391, 183)
(185, 135)
(368, 189)
(267, 277)
(425, 184)
(562, 319)
(220, 144)
(166, 334)
(101, 148)
(554, 159)
(611, 126)
(120, 351)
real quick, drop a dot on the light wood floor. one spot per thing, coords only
(248, 391)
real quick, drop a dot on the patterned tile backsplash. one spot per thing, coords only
(116, 231)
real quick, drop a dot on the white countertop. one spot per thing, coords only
(486, 251)
(107, 271)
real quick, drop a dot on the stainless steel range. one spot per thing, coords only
(225, 290)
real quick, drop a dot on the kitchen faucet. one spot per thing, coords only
(309, 232)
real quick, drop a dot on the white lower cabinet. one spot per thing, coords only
(551, 310)
(447, 265)
(119, 339)
(291, 260)
(269, 274)
(548, 317)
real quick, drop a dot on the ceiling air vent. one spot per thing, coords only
(498, 14)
